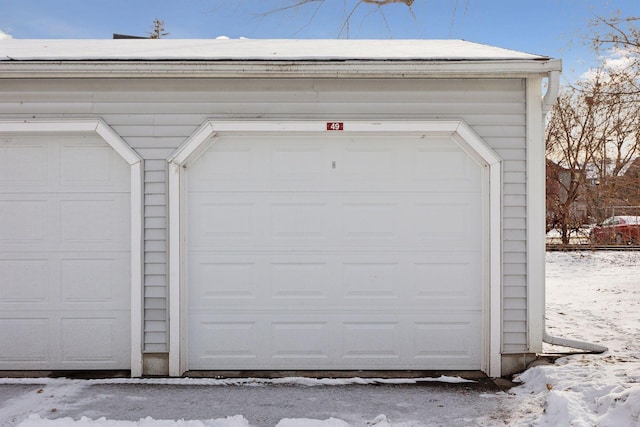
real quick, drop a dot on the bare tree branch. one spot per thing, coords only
(350, 11)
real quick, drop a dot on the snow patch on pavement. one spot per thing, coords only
(309, 382)
(37, 421)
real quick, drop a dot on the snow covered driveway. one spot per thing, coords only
(262, 403)
(592, 296)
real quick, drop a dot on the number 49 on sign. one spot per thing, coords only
(335, 126)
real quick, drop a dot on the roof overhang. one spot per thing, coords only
(276, 69)
(265, 58)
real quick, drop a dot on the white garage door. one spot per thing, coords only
(334, 252)
(64, 254)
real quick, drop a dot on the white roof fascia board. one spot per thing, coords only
(285, 69)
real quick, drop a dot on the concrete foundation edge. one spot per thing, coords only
(155, 364)
(516, 363)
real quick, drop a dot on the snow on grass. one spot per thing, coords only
(591, 296)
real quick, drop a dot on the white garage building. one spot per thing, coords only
(173, 206)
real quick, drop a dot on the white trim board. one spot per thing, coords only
(536, 217)
(464, 136)
(100, 128)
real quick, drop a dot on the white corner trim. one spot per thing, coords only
(97, 126)
(137, 273)
(476, 148)
(196, 142)
(464, 136)
(494, 369)
(114, 140)
(175, 268)
(536, 216)
(481, 151)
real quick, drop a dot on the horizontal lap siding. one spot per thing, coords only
(157, 116)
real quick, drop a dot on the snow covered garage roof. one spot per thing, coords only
(168, 57)
(254, 50)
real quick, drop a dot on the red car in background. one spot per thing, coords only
(617, 230)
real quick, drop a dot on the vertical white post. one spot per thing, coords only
(175, 264)
(495, 284)
(536, 215)
(137, 206)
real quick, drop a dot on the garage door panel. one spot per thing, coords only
(335, 253)
(300, 281)
(230, 163)
(298, 221)
(370, 281)
(24, 280)
(345, 341)
(97, 168)
(23, 220)
(101, 223)
(231, 341)
(47, 281)
(64, 222)
(224, 280)
(298, 160)
(366, 163)
(97, 281)
(240, 164)
(24, 340)
(300, 340)
(24, 167)
(444, 280)
(445, 167)
(221, 219)
(297, 163)
(82, 328)
(289, 220)
(64, 341)
(371, 340)
(65, 254)
(214, 340)
(343, 279)
(369, 220)
(80, 165)
(446, 220)
(447, 337)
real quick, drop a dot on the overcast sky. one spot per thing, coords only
(546, 27)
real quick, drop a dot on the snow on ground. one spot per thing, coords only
(591, 296)
(595, 297)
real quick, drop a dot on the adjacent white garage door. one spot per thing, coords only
(64, 254)
(334, 252)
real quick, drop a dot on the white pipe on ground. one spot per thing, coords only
(566, 342)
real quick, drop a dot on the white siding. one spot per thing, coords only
(156, 116)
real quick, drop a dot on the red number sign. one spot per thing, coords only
(335, 126)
